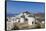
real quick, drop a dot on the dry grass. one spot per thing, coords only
(21, 26)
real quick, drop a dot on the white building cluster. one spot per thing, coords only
(25, 17)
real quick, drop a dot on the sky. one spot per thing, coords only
(18, 7)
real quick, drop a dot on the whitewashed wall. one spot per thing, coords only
(30, 20)
(21, 20)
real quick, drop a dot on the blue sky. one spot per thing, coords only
(17, 7)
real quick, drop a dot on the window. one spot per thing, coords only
(26, 19)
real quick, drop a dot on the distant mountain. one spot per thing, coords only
(12, 15)
(40, 14)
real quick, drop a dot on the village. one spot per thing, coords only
(26, 20)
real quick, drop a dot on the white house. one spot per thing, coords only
(30, 20)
